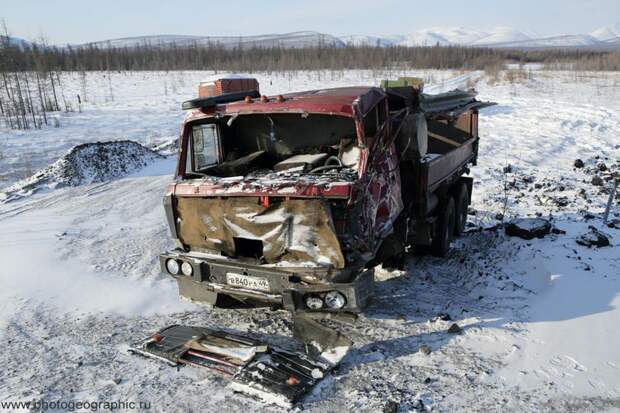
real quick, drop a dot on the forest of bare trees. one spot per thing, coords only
(26, 96)
(217, 57)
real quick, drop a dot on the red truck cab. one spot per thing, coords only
(291, 200)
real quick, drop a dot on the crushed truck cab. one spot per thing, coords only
(291, 200)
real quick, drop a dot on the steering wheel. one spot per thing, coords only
(333, 162)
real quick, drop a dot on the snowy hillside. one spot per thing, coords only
(423, 38)
(80, 278)
(496, 37)
(557, 41)
(362, 40)
(288, 40)
(607, 32)
(501, 35)
(14, 41)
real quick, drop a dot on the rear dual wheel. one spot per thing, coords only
(451, 220)
(461, 203)
(445, 228)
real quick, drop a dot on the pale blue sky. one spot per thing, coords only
(78, 21)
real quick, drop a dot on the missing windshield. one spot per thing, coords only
(274, 143)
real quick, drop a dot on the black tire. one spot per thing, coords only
(445, 229)
(461, 204)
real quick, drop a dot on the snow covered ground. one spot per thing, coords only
(540, 318)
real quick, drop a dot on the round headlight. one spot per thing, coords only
(335, 300)
(313, 302)
(172, 266)
(186, 268)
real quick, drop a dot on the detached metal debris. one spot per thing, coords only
(273, 375)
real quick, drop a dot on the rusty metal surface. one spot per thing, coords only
(294, 230)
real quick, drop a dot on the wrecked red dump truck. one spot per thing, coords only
(291, 200)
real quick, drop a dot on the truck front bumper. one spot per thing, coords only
(210, 277)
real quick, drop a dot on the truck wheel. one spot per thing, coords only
(445, 229)
(461, 200)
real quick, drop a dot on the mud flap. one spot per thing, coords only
(273, 375)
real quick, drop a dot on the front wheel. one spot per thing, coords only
(445, 229)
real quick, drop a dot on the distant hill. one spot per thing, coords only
(607, 33)
(14, 41)
(288, 40)
(500, 37)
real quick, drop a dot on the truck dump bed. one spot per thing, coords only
(446, 127)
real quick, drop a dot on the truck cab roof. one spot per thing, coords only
(344, 101)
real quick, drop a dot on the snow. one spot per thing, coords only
(502, 36)
(215, 78)
(363, 40)
(85, 164)
(572, 338)
(497, 37)
(80, 278)
(34, 271)
(554, 41)
(606, 32)
(264, 395)
(293, 40)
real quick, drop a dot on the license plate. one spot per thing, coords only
(246, 281)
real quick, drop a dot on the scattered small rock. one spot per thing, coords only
(390, 407)
(597, 180)
(528, 228)
(455, 329)
(499, 217)
(428, 380)
(424, 349)
(614, 223)
(444, 317)
(507, 169)
(601, 167)
(117, 381)
(578, 163)
(561, 201)
(593, 238)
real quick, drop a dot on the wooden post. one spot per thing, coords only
(610, 201)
